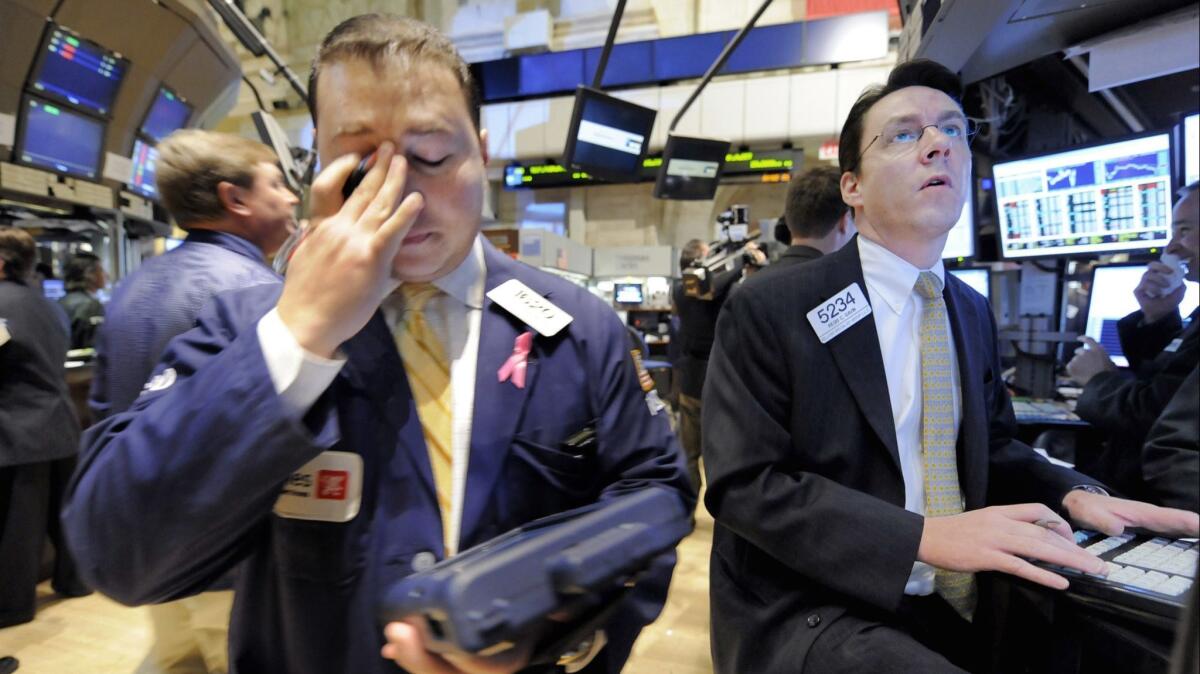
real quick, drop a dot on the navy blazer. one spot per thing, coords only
(171, 494)
(803, 468)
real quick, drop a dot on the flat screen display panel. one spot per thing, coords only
(79, 72)
(60, 140)
(143, 178)
(977, 278)
(1191, 149)
(691, 168)
(54, 288)
(168, 113)
(608, 137)
(1111, 299)
(1110, 197)
(628, 293)
(960, 243)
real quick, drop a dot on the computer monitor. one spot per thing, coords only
(53, 288)
(1088, 201)
(608, 137)
(960, 243)
(143, 180)
(979, 278)
(1111, 299)
(77, 71)
(167, 114)
(628, 293)
(1191, 149)
(691, 168)
(60, 140)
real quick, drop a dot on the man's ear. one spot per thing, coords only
(232, 198)
(851, 193)
(483, 145)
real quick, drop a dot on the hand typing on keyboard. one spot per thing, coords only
(1111, 515)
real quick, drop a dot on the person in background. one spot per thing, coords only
(383, 409)
(859, 440)
(229, 195)
(1171, 456)
(84, 276)
(1162, 347)
(38, 428)
(818, 221)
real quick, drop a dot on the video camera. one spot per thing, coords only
(727, 253)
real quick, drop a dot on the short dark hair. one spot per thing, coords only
(916, 73)
(373, 37)
(18, 250)
(814, 202)
(692, 250)
(80, 270)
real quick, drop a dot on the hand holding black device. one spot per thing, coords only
(357, 175)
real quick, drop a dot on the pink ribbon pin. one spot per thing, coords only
(516, 364)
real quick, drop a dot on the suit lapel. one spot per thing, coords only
(973, 429)
(373, 366)
(857, 353)
(499, 406)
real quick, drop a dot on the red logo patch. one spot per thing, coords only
(332, 484)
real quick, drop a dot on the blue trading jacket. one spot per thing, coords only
(149, 524)
(161, 300)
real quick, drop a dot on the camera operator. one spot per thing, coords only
(697, 305)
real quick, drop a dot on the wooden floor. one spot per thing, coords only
(94, 635)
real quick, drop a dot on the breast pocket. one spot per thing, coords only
(322, 552)
(547, 476)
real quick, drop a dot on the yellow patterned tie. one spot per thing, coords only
(943, 495)
(429, 378)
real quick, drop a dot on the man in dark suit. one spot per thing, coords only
(84, 277)
(38, 428)
(818, 221)
(1162, 347)
(859, 438)
(406, 394)
(1171, 456)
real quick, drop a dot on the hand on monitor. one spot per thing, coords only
(1112, 515)
(406, 646)
(1157, 293)
(1090, 360)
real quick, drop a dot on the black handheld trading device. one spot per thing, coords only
(357, 175)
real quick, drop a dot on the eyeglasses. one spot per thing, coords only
(900, 138)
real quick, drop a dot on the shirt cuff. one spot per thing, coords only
(299, 377)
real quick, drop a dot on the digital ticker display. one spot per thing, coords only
(1110, 197)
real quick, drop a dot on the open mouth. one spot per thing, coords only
(414, 238)
(937, 181)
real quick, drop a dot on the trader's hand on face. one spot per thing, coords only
(1151, 292)
(1002, 538)
(1110, 515)
(341, 271)
(406, 647)
(1090, 360)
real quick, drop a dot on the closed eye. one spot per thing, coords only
(433, 163)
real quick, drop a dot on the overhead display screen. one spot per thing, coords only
(73, 70)
(691, 168)
(608, 136)
(143, 179)
(60, 140)
(1111, 197)
(168, 113)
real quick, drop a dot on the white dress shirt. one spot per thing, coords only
(896, 308)
(454, 315)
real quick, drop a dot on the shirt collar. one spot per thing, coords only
(228, 241)
(889, 275)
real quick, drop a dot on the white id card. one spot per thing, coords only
(836, 314)
(1174, 345)
(534, 310)
(326, 489)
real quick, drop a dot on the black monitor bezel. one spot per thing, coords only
(581, 94)
(1079, 255)
(668, 153)
(162, 86)
(22, 127)
(40, 61)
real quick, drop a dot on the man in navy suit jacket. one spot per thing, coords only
(281, 435)
(825, 558)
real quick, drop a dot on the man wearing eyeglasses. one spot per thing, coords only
(858, 437)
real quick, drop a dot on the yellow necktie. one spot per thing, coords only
(428, 373)
(943, 494)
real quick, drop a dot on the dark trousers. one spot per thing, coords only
(65, 580)
(24, 504)
(689, 435)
